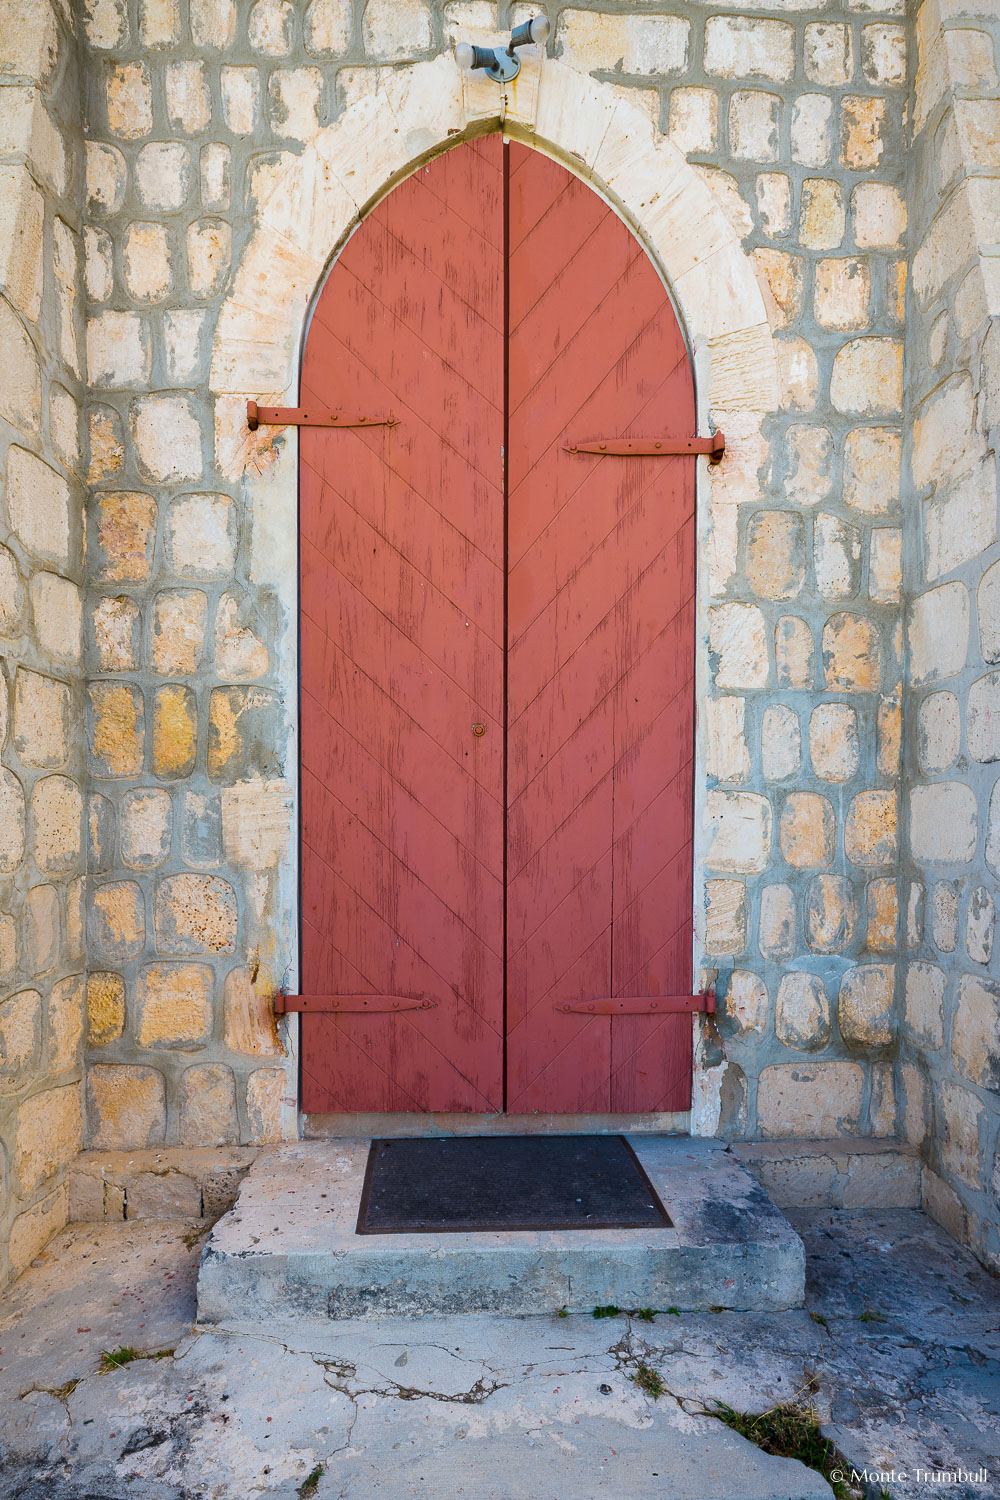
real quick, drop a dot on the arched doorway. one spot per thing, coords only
(497, 657)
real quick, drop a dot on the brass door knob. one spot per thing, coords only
(479, 730)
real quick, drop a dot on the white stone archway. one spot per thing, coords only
(319, 196)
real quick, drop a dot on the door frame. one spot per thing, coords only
(599, 132)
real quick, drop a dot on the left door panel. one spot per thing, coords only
(402, 652)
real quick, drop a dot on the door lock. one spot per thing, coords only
(479, 730)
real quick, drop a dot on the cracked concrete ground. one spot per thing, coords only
(898, 1347)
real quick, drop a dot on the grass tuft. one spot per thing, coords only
(310, 1484)
(611, 1311)
(113, 1359)
(649, 1380)
(789, 1431)
(644, 1314)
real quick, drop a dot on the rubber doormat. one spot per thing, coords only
(506, 1182)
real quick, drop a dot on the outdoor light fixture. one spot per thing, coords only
(502, 63)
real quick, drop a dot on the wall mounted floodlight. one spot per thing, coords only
(502, 64)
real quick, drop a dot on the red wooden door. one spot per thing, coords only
(493, 301)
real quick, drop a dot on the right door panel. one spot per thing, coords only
(600, 641)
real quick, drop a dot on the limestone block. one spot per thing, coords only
(777, 928)
(962, 1114)
(944, 435)
(257, 823)
(870, 830)
(842, 293)
(944, 916)
(178, 631)
(58, 616)
(988, 601)
(64, 425)
(126, 1106)
(101, 846)
(739, 831)
(57, 823)
(189, 99)
(159, 22)
(793, 652)
(938, 633)
(270, 27)
(117, 921)
(105, 1007)
(961, 523)
(327, 27)
(167, 436)
(295, 102)
(883, 54)
(215, 174)
(744, 47)
(13, 822)
(780, 276)
(240, 99)
(879, 213)
(163, 175)
(174, 1005)
(943, 822)
(831, 913)
(914, 915)
(798, 373)
(195, 914)
(208, 1106)
(885, 564)
(47, 1135)
(248, 1020)
(914, 1089)
(41, 719)
(213, 23)
(200, 829)
(862, 126)
(265, 1097)
(975, 1046)
(65, 1025)
(22, 226)
(31, 1231)
(126, 535)
(819, 1100)
(971, 61)
(118, 350)
(836, 557)
(209, 251)
(980, 926)
(939, 732)
(746, 1001)
(243, 733)
(822, 215)
(106, 176)
(630, 44)
(8, 946)
(727, 755)
(20, 1039)
(883, 915)
(851, 655)
(146, 261)
(828, 53)
(175, 731)
(39, 505)
(21, 391)
(146, 818)
(780, 743)
(871, 469)
(106, 23)
(807, 830)
(693, 120)
(812, 130)
(11, 598)
(200, 537)
(754, 125)
(725, 917)
(834, 746)
(802, 1012)
(107, 448)
(239, 651)
(738, 642)
(163, 1195)
(865, 1007)
(776, 553)
(810, 463)
(118, 731)
(43, 929)
(774, 203)
(969, 217)
(116, 631)
(75, 892)
(867, 377)
(128, 99)
(982, 726)
(183, 331)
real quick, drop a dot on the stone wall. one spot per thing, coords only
(950, 1073)
(795, 123)
(41, 610)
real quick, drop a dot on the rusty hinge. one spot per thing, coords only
(334, 1004)
(714, 446)
(300, 416)
(641, 1005)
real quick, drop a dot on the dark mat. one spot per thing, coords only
(506, 1182)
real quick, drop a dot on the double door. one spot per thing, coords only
(497, 654)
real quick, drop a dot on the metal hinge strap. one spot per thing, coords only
(313, 416)
(714, 446)
(348, 1004)
(641, 1005)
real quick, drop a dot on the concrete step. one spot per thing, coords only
(289, 1247)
